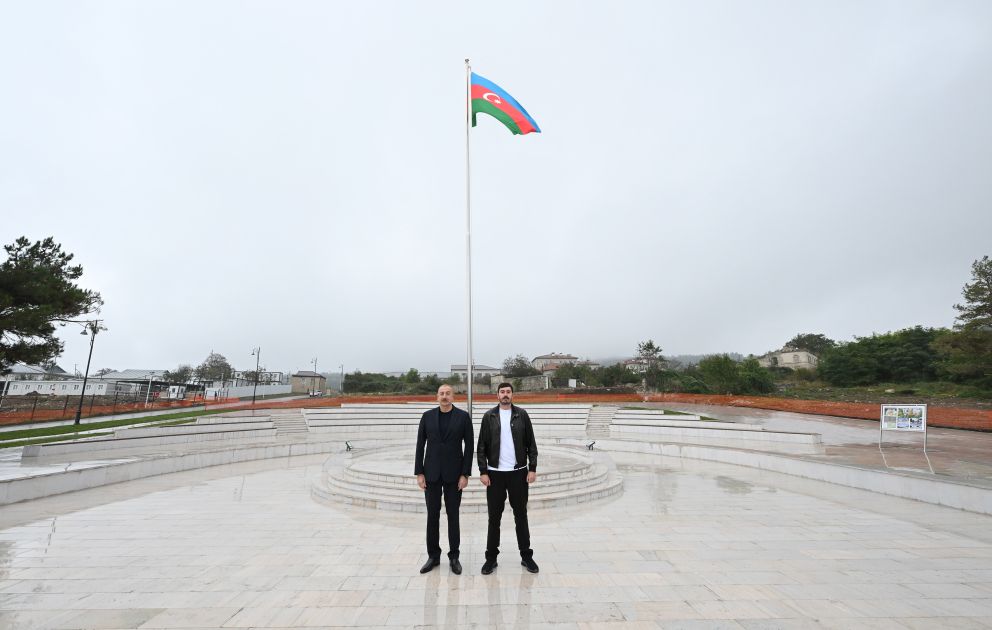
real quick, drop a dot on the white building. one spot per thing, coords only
(264, 378)
(61, 388)
(24, 372)
(552, 361)
(637, 365)
(477, 371)
(789, 358)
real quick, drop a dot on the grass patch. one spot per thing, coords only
(934, 392)
(68, 431)
(47, 440)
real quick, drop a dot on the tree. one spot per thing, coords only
(976, 312)
(250, 375)
(38, 291)
(966, 353)
(903, 356)
(754, 379)
(650, 352)
(214, 368)
(412, 376)
(966, 356)
(816, 344)
(182, 374)
(454, 379)
(519, 366)
(719, 372)
(104, 371)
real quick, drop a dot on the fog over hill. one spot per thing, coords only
(674, 360)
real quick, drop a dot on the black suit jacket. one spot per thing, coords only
(447, 457)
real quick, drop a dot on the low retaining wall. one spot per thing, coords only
(100, 445)
(24, 489)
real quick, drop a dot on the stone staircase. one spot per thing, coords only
(600, 419)
(381, 479)
(290, 422)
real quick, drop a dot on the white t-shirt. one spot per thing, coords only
(507, 454)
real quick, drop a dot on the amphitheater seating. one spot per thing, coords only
(373, 420)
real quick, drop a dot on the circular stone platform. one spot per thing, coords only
(383, 479)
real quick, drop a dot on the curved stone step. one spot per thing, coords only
(378, 479)
(596, 476)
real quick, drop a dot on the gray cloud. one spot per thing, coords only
(716, 176)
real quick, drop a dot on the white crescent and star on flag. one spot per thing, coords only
(492, 98)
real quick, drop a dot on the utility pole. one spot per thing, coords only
(313, 379)
(91, 328)
(258, 357)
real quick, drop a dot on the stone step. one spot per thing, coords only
(290, 423)
(600, 417)
(409, 484)
(471, 503)
(378, 478)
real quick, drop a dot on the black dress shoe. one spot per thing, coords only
(530, 564)
(456, 566)
(488, 567)
(429, 565)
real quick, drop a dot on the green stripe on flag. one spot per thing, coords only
(484, 106)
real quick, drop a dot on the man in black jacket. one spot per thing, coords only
(507, 455)
(443, 470)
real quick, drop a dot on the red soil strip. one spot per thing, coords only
(949, 417)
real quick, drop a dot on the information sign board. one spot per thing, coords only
(904, 418)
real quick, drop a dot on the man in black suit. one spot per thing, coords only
(443, 469)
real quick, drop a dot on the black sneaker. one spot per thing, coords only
(488, 567)
(530, 564)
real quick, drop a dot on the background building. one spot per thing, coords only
(477, 371)
(307, 382)
(789, 358)
(552, 361)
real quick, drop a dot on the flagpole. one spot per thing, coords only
(468, 228)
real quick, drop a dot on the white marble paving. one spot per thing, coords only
(687, 545)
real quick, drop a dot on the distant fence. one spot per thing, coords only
(31, 408)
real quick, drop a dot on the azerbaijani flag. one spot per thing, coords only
(489, 98)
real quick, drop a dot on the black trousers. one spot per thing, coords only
(512, 484)
(452, 499)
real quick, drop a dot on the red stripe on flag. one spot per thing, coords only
(479, 91)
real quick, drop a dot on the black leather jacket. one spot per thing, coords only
(524, 444)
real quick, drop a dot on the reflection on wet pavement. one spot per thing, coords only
(688, 541)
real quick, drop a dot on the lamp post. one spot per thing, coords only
(91, 328)
(342, 378)
(313, 379)
(148, 392)
(257, 353)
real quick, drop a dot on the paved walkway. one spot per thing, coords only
(955, 455)
(687, 545)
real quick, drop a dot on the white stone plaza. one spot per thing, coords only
(687, 543)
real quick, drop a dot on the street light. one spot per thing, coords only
(313, 379)
(148, 392)
(257, 353)
(90, 328)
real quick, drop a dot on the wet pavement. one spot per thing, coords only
(952, 454)
(688, 544)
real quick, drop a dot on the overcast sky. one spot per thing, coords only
(716, 176)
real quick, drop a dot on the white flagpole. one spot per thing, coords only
(468, 227)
